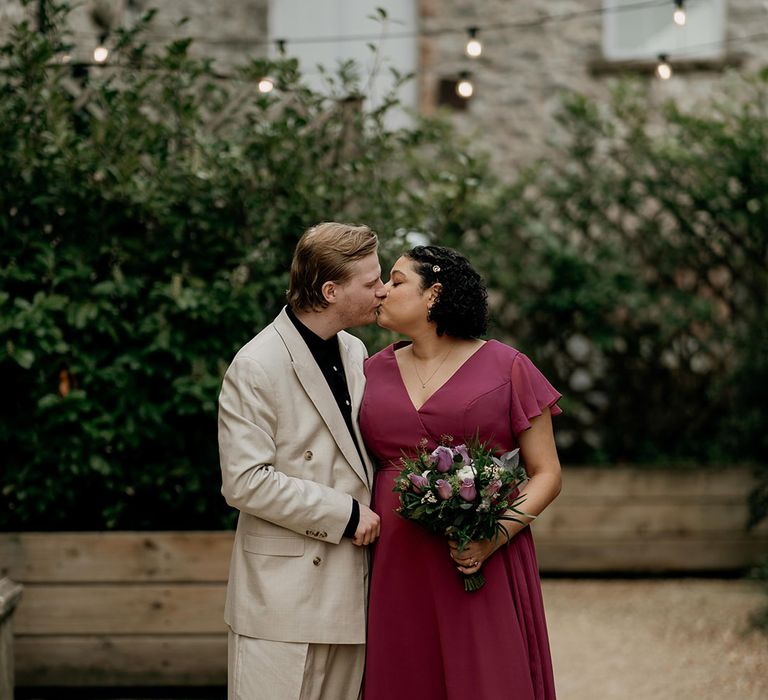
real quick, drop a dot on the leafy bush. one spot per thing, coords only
(148, 216)
(634, 264)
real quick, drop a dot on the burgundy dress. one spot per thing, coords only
(428, 639)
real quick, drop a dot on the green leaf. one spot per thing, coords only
(24, 358)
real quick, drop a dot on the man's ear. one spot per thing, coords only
(329, 292)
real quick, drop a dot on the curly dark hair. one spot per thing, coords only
(461, 308)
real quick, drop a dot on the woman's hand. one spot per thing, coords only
(537, 447)
(470, 559)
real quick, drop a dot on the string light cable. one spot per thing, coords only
(410, 34)
(671, 57)
(266, 83)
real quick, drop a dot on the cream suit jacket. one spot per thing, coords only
(290, 467)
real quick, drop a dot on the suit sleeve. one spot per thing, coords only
(251, 481)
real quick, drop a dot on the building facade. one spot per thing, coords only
(531, 52)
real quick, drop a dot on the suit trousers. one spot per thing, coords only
(261, 669)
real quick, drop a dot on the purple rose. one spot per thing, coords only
(419, 482)
(444, 489)
(467, 490)
(464, 452)
(493, 488)
(442, 458)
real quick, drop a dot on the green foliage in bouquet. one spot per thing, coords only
(462, 493)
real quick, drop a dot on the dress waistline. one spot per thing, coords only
(388, 467)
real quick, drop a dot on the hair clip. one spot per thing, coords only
(435, 268)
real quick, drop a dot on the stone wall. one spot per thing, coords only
(522, 72)
(228, 32)
(519, 78)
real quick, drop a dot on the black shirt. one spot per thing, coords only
(328, 358)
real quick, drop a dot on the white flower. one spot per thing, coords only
(494, 472)
(466, 472)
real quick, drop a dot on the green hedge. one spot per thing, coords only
(633, 264)
(148, 214)
(647, 235)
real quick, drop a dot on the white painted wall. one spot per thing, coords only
(328, 32)
(646, 32)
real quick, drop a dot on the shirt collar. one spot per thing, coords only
(315, 343)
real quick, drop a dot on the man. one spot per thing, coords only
(293, 463)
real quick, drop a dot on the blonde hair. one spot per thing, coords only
(325, 253)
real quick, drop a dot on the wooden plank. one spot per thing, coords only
(121, 661)
(647, 555)
(10, 593)
(115, 556)
(127, 609)
(733, 484)
(204, 556)
(632, 518)
(146, 608)
(7, 669)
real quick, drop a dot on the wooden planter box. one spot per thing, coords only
(146, 608)
(119, 608)
(650, 521)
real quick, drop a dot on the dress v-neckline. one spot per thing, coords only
(394, 347)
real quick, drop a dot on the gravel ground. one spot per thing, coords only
(670, 639)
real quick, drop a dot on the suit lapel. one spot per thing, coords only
(314, 383)
(355, 377)
(356, 384)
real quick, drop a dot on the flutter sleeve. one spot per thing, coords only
(531, 394)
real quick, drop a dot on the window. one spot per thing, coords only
(335, 23)
(638, 33)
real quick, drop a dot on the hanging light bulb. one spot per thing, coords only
(663, 70)
(101, 52)
(464, 87)
(679, 14)
(473, 48)
(266, 84)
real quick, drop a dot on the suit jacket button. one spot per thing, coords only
(316, 561)
(308, 455)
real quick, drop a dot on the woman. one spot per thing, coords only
(427, 637)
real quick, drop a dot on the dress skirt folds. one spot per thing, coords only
(428, 639)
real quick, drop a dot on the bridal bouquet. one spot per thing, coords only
(461, 492)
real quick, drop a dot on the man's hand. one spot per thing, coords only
(367, 527)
